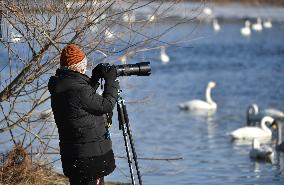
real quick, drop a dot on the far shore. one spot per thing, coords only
(243, 2)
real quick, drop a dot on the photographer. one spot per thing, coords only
(80, 115)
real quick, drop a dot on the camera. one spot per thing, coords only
(139, 69)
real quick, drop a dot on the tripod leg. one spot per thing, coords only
(128, 155)
(122, 126)
(131, 143)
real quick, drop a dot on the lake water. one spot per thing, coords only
(246, 70)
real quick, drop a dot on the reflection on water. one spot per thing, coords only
(199, 114)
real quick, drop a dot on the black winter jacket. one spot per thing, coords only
(79, 114)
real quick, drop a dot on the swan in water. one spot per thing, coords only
(257, 26)
(245, 31)
(94, 28)
(267, 24)
(109, 34)
(250, 132)
(164, 57)
(216, 25)
(207, 11)
(254, 115)
(123, 59)
(46, 114)
(279, 143)
(128, 17)
(151, 18)
(199, 105)
(259, 152)
(252, 111)
(15, 37)
(68, 5)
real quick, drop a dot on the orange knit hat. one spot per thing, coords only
(70, 55)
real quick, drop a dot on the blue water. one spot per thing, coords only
(247, 70)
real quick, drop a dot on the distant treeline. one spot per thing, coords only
(248, 2)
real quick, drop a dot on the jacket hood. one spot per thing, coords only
(65, 80)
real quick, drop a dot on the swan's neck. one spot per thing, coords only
(208, 96)
(252, 110)
(255, 108)
(215, 22)
(264, 127)
(279, 134)
(247, 24)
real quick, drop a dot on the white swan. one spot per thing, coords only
(267, 24)
(216, 25)
(254, 115)
(151, 18)
(128, 17)
(259, 152)
(123, 59)
(245, 31)
(16, 37)
(164, 57)
(250, 132)
(94, 28)
(257, 26)
(252, 112)
(207, 11)
(196, 105)
(46, 114)
(109, 34)
(68, 5)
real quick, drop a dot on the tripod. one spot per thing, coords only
(125, 127)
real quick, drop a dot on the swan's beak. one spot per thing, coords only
(273, 125)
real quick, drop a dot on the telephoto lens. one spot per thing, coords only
(139, 69)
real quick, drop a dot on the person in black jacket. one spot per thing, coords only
(80, 115)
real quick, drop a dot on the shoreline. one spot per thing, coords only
(228, 11)
(238, 11)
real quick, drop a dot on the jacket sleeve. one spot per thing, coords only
(101, 104)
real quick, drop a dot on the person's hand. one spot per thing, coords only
(111, 73)
(98, 71)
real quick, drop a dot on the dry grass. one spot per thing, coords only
(17, 168)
